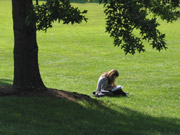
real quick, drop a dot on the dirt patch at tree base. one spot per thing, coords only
(7, 90)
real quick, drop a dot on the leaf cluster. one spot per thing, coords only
(54, 10)
(123, 17)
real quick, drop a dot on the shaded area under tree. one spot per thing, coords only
(36, 114)
(8, 90)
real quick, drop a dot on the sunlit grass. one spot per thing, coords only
(71, 57)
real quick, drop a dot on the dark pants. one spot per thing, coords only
(118, 92)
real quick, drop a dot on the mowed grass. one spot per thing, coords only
(72, 57)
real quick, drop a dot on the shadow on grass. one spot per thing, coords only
(52, 116)
(5, 82)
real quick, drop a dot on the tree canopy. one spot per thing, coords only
(123, 17)
(54, 10)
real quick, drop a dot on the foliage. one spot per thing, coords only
(123, 18)
(54, 10)
(126, 16)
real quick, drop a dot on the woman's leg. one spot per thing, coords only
(119, 92)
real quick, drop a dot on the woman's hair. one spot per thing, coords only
(110, 75)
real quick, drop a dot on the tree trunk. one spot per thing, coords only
(26, 68)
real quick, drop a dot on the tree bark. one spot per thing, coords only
(26, 68)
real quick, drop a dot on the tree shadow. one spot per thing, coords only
(41, 115)
(5, 82)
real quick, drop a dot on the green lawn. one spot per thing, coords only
(71, 57)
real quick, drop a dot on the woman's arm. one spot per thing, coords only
(105, 87)
(104, 84)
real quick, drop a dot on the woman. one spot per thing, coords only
(106, 85)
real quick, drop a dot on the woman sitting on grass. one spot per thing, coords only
(106, 85)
